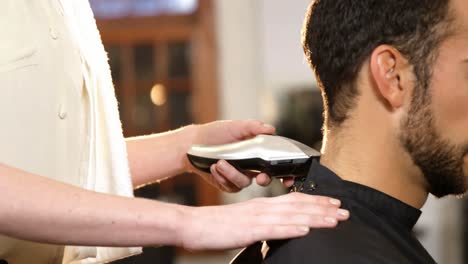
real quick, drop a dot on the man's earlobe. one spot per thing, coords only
(386, 65)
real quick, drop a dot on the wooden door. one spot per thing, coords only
(164, 72)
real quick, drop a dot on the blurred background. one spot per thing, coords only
(177, 62)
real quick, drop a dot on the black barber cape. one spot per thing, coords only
(378, 231)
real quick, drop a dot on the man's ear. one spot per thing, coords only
(387, 67)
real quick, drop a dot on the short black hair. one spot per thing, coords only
(339, 35)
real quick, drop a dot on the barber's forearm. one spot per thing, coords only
(159, 156)
(39, 209)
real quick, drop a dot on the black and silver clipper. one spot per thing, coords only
(275, 155)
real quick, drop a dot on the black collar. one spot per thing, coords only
(322, 181)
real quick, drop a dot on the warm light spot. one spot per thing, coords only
(158, 94)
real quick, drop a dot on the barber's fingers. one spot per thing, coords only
(290, 226)
(243, 129)
(292, 215)
(278, 210)
(238, 225)
(296, 197)
(222, 182)
(287, 181)
(269, 232)
(317, 210)
(263, 179)
(230, 174)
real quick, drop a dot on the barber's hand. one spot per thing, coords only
(239, 225)
(224, 176)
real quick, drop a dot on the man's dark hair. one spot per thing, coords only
(339, 35)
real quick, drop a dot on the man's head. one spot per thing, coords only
(416, 54)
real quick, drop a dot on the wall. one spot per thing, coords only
(260, 55)
(238, 58)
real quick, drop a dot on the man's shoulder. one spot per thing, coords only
(349, 241)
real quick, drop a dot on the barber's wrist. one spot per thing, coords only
(188, 136)
(184, 226)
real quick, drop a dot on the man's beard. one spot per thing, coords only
(440, 161)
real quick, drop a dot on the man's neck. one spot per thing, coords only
(376, 160)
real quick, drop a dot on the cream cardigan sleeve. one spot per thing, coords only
(108, 170)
